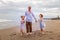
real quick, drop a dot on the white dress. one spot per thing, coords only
(22, 24)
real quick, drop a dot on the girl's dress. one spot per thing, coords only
(41, 23)
(22, 24)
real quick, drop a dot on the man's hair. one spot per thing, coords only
(29, 6)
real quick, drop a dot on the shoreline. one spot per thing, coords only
(6, 25)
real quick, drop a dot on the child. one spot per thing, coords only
(41, 22)
(22, 24)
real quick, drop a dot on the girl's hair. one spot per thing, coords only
(22, 16)
(41, 15)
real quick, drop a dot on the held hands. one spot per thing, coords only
(35, 20)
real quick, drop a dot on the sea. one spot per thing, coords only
(9, 20)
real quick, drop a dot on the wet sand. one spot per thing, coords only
(52, 32)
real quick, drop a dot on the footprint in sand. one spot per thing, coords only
(49, 31)
(12, 34)
(50, 38)
(58, 36)
(58, 39)
(0, 37)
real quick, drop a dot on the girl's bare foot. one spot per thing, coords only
(21, 34)
(42, 32)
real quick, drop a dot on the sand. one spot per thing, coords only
(52, 32)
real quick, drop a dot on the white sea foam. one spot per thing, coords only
(5, 20)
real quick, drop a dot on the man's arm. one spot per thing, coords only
(25, 14)
(34, 17)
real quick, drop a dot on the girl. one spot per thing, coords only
(41, 22)
(22, 24)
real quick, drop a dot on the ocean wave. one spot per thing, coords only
(5, 20)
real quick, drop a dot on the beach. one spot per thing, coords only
(52, 32)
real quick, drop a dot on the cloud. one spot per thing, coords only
(17, 6)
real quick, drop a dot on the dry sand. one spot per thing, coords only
(52, 32)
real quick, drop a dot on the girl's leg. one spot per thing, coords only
(42, 31)
(21, 32)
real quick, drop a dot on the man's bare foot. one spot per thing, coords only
(27, 33)
(30, 33)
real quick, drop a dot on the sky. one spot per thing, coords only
(14, 8)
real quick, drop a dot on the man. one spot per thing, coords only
(29, 15)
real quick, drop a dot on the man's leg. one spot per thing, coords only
(27, 27)
(30, 24)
